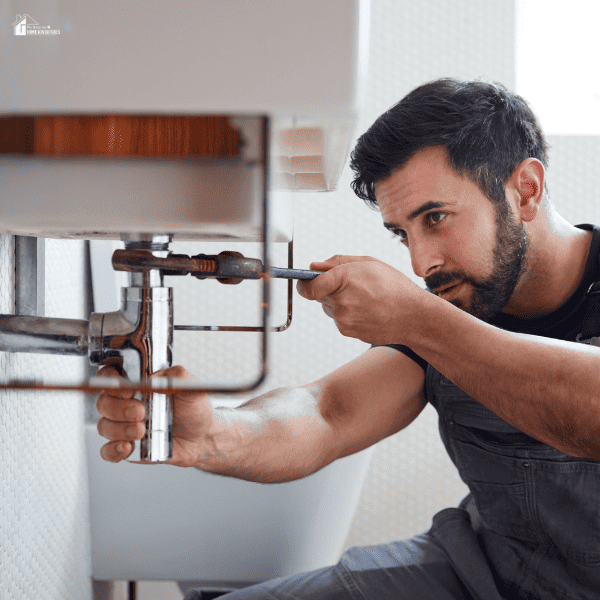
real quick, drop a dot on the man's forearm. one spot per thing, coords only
(275, 438)
(548, 388)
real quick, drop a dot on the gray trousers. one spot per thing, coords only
(457, 559)
(420, 567)
(413, 568)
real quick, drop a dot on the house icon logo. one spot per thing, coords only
(20, 25)
(25, 25)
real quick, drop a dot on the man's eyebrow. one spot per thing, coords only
(424, 208)
(393, 228)
(415, 213)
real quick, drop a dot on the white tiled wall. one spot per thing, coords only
(44, 514)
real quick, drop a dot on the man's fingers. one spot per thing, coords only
(123, 421)
(110, 371)
(327, 310)
(117, 431)
(322, 286)
(179, 372)
(116, 451)
(113, 372)
(332, 279)
(176, 372)
(335, 261)
(120, 409)
(322, 266)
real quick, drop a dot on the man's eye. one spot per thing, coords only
(435, 217)
(399, 235)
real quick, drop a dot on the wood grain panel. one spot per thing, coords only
(118, 135)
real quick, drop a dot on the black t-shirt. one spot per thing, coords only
(562, 324)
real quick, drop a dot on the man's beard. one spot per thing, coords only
(491, 295)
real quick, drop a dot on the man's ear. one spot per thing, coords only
(527, 180)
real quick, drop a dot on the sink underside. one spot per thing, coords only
(188, 198)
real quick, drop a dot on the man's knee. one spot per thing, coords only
(414, 568)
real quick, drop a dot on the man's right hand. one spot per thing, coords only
(123, 421)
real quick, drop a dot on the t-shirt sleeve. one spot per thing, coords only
(406, 350)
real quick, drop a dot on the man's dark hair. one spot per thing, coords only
(486, 130)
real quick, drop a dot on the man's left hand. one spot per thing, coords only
(367, 299)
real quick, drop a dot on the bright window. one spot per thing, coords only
(557, 63)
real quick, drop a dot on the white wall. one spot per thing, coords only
(44, 515)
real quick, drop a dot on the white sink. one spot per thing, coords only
(101, 198)
(162, 522)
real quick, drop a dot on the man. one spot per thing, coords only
(457, 170)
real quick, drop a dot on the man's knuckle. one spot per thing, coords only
(343, 303)
(139, 410)
(178, 371)
(109, 454)
(135, 431)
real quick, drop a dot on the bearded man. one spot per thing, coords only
(457, 171)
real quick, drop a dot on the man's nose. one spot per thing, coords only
(425, 257)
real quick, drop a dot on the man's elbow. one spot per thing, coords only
(573, 438)
(579, 446)
(585, 448)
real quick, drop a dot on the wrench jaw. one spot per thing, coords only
(228, 267)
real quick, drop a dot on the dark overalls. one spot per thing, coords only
(533, 511)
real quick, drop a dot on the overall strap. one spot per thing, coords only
(590, 330)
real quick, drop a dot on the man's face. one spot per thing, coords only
(465, 251)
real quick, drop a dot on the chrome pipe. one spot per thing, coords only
(154, 303)
(152, 350)
(43, 335)
(139, 337)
